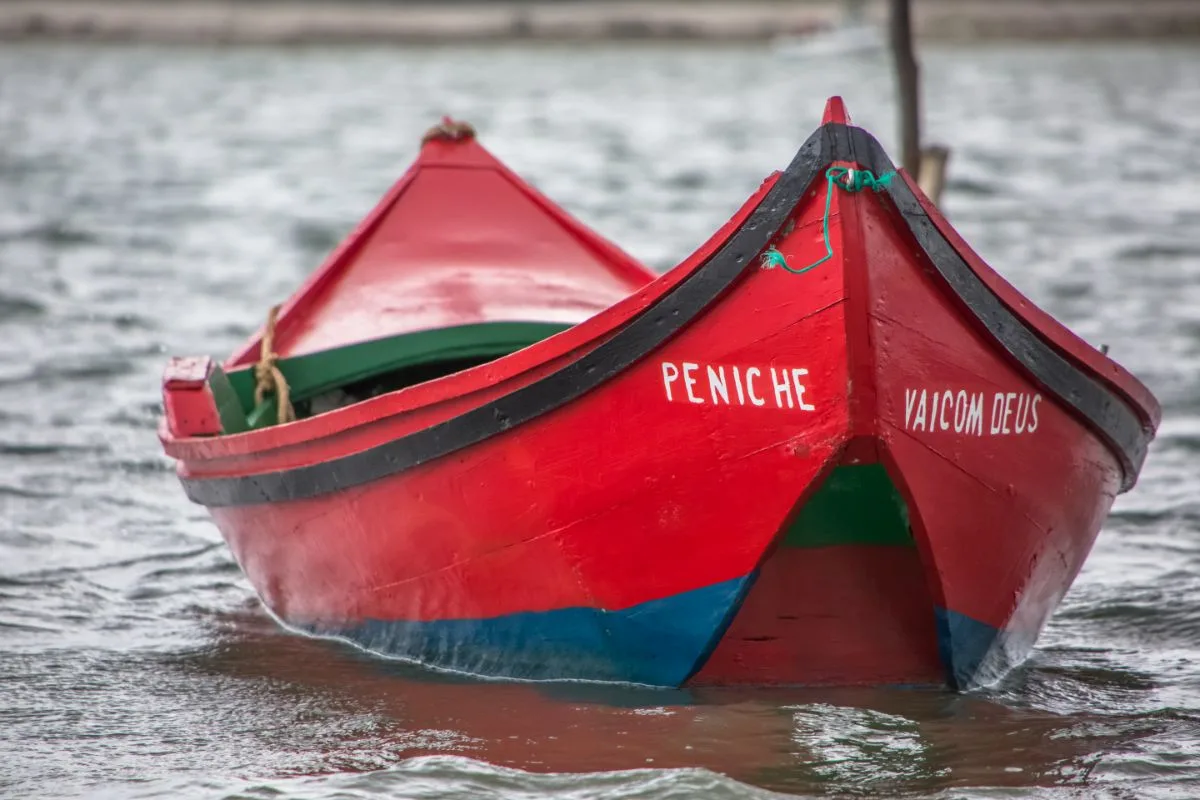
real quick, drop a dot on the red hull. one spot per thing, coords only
(615, 502)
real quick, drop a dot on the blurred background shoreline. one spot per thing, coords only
(455, 21)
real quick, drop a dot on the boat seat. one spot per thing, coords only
(229, 405)
(199, 400)
(408, 359)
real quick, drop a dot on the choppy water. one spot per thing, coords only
(157, 201)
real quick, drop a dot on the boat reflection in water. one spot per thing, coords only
(807, 741)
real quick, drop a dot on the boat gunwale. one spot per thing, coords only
(1062, 339)
(1105, 410)
(580, 337)
(491, 339)
(1110, 411)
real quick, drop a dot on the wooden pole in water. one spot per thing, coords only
(907, 86)
(926, 164)
(932, 175)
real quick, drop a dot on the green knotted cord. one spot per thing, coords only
(852, 180)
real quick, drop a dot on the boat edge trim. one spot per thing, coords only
(1100, 408)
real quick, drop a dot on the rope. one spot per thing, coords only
(449, 130)
(847, 178)
(268, 379)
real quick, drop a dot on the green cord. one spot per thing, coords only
(774, 258)
(852, 180)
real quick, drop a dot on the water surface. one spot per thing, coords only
(158, 200)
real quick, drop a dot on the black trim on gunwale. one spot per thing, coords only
(1102, 410)
(1117, 424)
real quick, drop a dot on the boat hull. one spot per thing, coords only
(673, 491)
(588, 543)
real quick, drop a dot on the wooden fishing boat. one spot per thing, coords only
(831, 446)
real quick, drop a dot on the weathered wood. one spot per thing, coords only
(932, 175)
(907, 84)
(926, 163)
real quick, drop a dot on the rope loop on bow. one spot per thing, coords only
(846, 178)
(268, 379)
(449, 130)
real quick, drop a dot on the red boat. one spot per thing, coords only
(832, 446)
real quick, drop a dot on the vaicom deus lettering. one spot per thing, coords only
(830, 447)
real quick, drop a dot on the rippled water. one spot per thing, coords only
(157, 201)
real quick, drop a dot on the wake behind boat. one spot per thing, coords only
(832, 446)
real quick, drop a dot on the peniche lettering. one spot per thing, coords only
(775, 387)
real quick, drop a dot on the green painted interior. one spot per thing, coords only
(229, 405)
(857, 504)
(374, 367)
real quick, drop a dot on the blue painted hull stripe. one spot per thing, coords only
(967, 646)
(659, 643)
